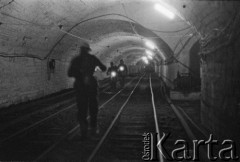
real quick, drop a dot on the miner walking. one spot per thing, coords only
(82, 68)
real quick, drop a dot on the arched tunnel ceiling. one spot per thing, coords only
(131, 54)
(38, 27)
(113, 34)
(118, 44)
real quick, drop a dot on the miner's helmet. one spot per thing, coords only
(86, 46)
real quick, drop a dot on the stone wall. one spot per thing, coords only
(24, 79)
(221, 91)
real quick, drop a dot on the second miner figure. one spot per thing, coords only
(123, 72)
(113, 71)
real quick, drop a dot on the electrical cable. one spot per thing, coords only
(92, 18)
(229, 29)
(25, 56)
(99, 17)
(23, 20)
(175, 31)
(75, 36)
(227, 26)
(191, 37)
(193, 32)
(96, 17)
(134, 30)
(68, 32)
(1, 7)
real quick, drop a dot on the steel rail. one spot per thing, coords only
(111, 125)
(54, 106)
(34, 124)
(75, 128)
(183, 122)
(102, 106)
(24, 117)
(38, 122)
(192, 122)
(156, 121)
(181, 119)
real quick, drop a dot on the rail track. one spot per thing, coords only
(22, 138)
(15, 114)
(145, 112)
(116, 98)
(142, 108)
(15, 123)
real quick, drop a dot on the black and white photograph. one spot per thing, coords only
(119, 80)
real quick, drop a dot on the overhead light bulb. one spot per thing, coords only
(145, 59)
(149, 53)
(121, 68)
(164, 11)
(150, 57)
(113, 74)
(150, 45)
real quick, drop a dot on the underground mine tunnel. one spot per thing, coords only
(186, 52)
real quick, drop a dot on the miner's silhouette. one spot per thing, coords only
(82, 68)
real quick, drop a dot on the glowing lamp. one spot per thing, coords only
(150, 45)
(145, 59)
(164, 11)
(121, 68)
(150, 57)
(149, 53)
(113, 74)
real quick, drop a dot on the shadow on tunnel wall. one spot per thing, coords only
(194, 59)
(220, 100)
(190, 81)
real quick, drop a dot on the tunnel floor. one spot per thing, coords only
(56, 138)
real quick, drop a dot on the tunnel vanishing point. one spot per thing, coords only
(197, 38)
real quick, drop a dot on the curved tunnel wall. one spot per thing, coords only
(220, 69)
(62, 51)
